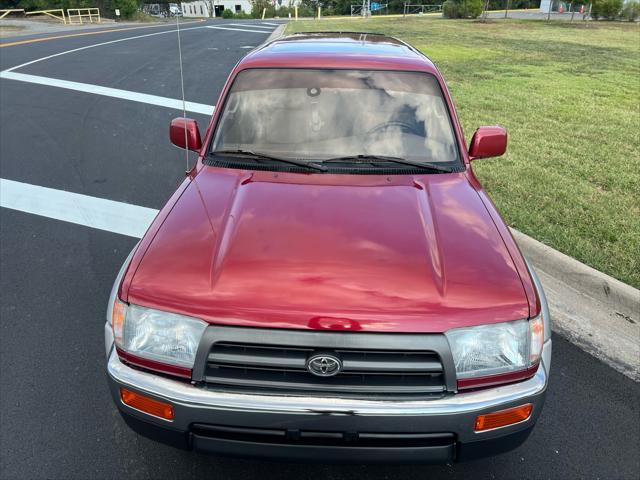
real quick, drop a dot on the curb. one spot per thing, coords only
(277, 33)
(586, 279)
(593, 310)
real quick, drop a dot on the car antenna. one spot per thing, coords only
(184, 104)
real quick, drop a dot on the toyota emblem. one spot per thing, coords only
(324, 365)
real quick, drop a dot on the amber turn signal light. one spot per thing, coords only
(117, 320)
(503, 418)
(146, 404)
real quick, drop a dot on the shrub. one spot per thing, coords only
(258, 5)
(227, 13)
(607, 9)
(631, 11)
(462, 8)
(127, 7)
(306, 11)
(283, 12)
(450, 9)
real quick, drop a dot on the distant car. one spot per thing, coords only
(331, 282)
(174, 10)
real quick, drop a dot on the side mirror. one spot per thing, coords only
(190, 141)
(488, 142)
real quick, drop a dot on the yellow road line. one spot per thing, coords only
(45, 39)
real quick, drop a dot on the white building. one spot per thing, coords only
(546, 4)
(214, 8)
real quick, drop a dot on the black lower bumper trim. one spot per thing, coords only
(494, 446)
(325, 454)
(327, 447)
(325, 438)
(167, 436)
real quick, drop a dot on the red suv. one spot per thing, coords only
(331, 282)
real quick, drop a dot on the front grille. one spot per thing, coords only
(272, 365)
(363, 371)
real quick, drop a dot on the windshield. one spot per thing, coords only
(319, 115)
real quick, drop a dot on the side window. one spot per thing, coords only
(238, 8)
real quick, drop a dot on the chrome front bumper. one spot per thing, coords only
(453, 413)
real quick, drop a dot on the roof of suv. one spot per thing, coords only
(338, 50)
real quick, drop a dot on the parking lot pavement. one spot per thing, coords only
(57, 419)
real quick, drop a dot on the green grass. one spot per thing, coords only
(569, 95)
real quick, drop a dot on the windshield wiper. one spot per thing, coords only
(384, 158)
(264, 156)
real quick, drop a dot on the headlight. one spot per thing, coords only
(498, 348)
(155, 335)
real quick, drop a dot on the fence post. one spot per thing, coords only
(295, 9)
(264, 12)
(319, 12)
(572, 12)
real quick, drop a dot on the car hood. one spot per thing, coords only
(337, 252)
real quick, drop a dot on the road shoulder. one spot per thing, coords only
(591, 309)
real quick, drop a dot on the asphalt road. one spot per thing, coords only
(57, 419)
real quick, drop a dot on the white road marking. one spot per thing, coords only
(251, 25)
(110, 92)
(10, 74)
(100, 213)
(193, 107)
(37, 60)
(248, 46)
(237, 29)
(275, 24)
